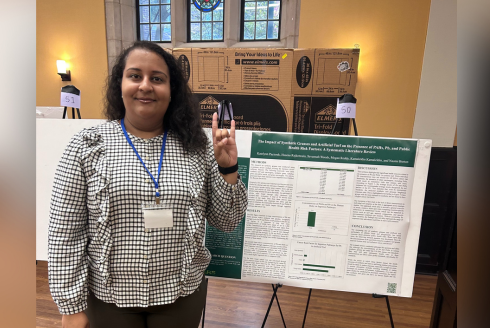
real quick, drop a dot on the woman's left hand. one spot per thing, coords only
(224, 144)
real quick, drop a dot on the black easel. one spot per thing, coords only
(388, 305)
(224, 105)
(72, 112)
(306, 310)
(274, 295)
(353, 122)
(374, 295)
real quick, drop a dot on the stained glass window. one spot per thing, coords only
(154, 20)
(260, 20)
(205, 25)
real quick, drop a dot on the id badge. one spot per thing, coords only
(157, 216)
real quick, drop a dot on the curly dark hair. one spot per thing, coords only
(182, 117)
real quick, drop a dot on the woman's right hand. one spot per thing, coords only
(77, 320)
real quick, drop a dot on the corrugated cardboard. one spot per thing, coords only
(319, 77)
(272, 89)
(256, 81)
(183, 56)
(327, 72)
(316, 114)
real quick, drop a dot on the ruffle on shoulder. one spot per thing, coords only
(95, 160)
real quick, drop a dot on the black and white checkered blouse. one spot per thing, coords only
(97, 236)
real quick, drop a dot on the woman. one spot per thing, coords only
(130, 200)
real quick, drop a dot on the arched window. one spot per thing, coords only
(205, 25)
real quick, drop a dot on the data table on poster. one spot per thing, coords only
(325, 181)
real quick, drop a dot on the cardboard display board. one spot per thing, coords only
(325, 72)
(256, 81)
(280, 90)
(320, 76)
(183, 56)
(317, 115)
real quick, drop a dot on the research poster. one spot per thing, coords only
(326, 212)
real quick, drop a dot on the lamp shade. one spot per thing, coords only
(61, 64)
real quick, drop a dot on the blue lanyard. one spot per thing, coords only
(157, 193)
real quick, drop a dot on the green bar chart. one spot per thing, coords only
(321, 217)
(317, 268)
(317, 259)
(311, 219)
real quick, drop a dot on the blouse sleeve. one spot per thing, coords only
(68, 232)
(227, 203)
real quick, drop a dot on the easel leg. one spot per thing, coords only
(270, 305)
(353, 123)
(204, 309)
(280, 311)
(274, 295)
(389, 308)
(306, 310)
(389, 312)
(335, 125)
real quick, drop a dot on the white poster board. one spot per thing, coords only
(326, 212)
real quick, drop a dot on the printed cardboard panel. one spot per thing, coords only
(328, 72)
(184, 59)
(256, 81)
(272, 89)
(317, 115)
(242, 70)
(259, 112)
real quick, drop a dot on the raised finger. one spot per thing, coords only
(232, 129)
(214, 126)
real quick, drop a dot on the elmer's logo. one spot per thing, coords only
(325, 115)
(209, 103)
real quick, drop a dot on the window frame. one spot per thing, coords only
(138, 31)
(188, 24)
(242, 22)
(122, 24)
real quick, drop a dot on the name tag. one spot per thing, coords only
(157, 216)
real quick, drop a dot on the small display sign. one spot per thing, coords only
(70, 96)
(70, 100)
(346, 106)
